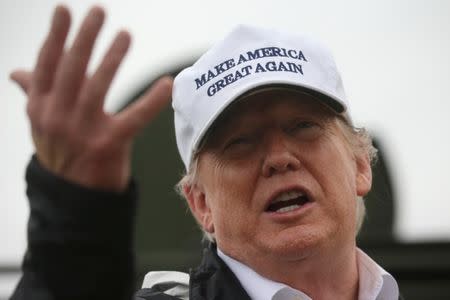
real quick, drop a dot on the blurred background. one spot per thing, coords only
(394, 60)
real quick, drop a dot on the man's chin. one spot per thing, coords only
(293, 243)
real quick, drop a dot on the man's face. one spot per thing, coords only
(277, 179)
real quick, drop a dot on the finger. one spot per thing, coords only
(22, 78)
(95, 90)
(145, 109)
(51, 50)
(71, 71)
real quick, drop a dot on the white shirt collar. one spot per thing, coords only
(374, 282)
(257, 286)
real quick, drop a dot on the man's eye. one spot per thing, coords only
(242, 140)
(237, 141)
(303, 125)
(305, 130)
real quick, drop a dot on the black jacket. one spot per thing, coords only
(211, 280)
(80, 247)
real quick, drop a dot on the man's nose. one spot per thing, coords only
(279, 155)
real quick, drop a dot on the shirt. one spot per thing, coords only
(374, 282)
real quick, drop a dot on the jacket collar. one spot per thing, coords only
(214, 280)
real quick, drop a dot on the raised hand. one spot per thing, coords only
(74, 137)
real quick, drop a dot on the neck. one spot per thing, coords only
(331, 275)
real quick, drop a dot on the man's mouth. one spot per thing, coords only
(287, 201)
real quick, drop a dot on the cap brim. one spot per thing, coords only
(329, 102)
(333, 104)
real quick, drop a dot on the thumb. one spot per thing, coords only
(22, 78)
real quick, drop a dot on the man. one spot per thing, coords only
(275, 173)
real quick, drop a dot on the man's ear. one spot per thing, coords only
(199, 206)
(363, 175)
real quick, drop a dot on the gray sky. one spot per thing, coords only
(393, 56)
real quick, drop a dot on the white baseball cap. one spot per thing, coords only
(249, 58)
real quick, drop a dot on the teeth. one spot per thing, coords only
(288, 196)
(288, 208)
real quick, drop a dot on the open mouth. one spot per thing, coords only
(287, 201)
